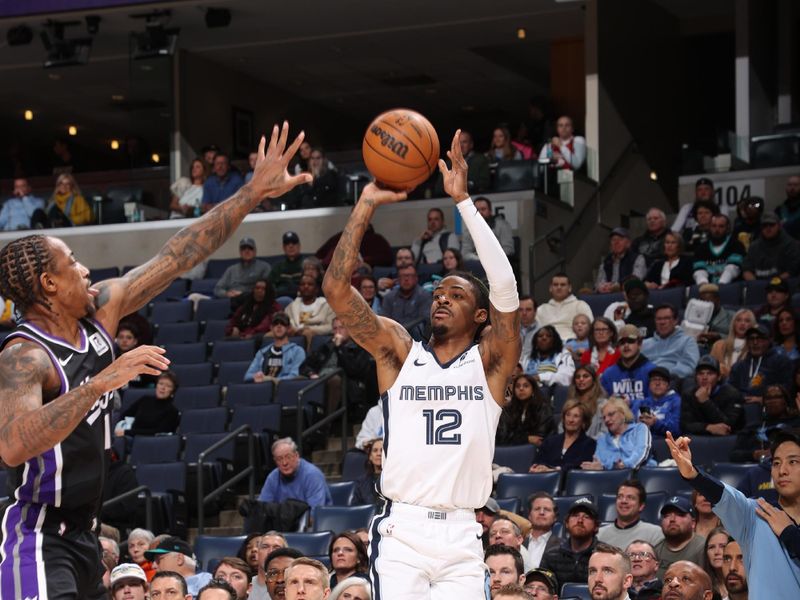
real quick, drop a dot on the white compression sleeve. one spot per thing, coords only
(502, 284)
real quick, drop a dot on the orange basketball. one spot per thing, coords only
(401, 149)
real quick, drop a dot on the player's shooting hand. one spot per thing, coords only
(271, 176)
(379, 196)
(775, 517)
(455, 178)
(681, 455)
(144, 360)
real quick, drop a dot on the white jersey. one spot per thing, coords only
(439, 430)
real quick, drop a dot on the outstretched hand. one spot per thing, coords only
(271, 176)
(377, 196)
(681, 455)
(455, 178)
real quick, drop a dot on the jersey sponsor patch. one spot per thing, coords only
(98, 343)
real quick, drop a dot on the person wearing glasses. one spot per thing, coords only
(273, 585)
(629, 377)
(644, 567)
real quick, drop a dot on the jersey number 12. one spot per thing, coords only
(451, 419)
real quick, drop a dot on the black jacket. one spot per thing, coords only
(518, 422)
(751, 375)
(550, 451)
(679, 275)
(569, 566)
(724, 406)
(759, 437)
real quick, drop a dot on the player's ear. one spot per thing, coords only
(46, 282)
(481, 315)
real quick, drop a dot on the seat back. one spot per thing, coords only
(260, 418)
(310, 543)
(661, 479)
(199, 442)
(341, 518)
(213, 309)
(184, 354)
(575, 590)
(203, 420)
(518, 458)
(289, 388)
(162, 477)
(232, 350)
(522, 485)
(736, 475)
(196, 373)
(170, 312)
(247, 394)
(178, 333)
(214, 330)
(154, 449)
(197, 396)
(342, 492)
(353, 464)
(594, 482)
(233, 372)
(710, 449)
(210, 547)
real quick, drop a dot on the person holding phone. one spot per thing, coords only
(660, 410)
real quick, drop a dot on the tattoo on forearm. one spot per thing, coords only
(345, 255)
(359, 319)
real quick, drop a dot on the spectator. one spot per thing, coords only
(67, 206)
(187, 192)
(680, 540)
(323, 191)
(635, 309)
(273, 558)
(174, 554)
(402, 258)
(128, 582)
(285, 275)
(374, 250)
(452, 260)
(502, 148)
(670, 347)
(734, 347)
(619, 264)
(278, 360)
(549, 363)
(774, 253)
(747, 226)
(609, 573)
(248, 551)
(712, 559)
(764, 365)
(540, 584)
(497, 223)
(719, 258)
(254, 316)
(477, 165)
(236, 573)
(686, 217)
(505, 566)
(779, 413)
(154, 414)
(566, 150)
(709, 407)
(486, 516)
(651, 243)
(784, 332)
(672, 269)
(294, 477)
(529, 325)
(348, 557)
(313, 266)
(368, 288)
(430, 246)
(139, 541)
(408, 302)
(209, 153)
(307, 579)
(628, 377)
(64, 161)
(127, 339)
(586, 389)
(216, 589)
(778, 299)
(223, 182)
(240, 278)
(789, 211)
(110, 549)
(352, 588)
(644, 567)
(734, 572)
(570, 562)
(19, 210)
(169, 584)
(303, 157)
(542, 514)
(563, 306)
(371, 427)
(698, 235)
(365, 485)
(661, 409)
(707, 520)
(578, 344)
(527, 418)
(504, 531)
(252, 160)
(626, 445)
(721, 317)
(685, 579)
(567, 450)
(309, 313)
(602, 339)
(628, 526)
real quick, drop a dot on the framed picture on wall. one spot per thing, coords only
(243, 138)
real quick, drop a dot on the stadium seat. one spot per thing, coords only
(594, 482)
(203, 286)
(170, 312)
(286, 394)
(261, 418)
(736, 475)
(730, 294)
(522, 485)
(174, 291)
(660, 450)
(575, 590)
(317, 342)
(101, 274)
(559, 396)
(564, 502)
(197, 396)
(342, 492)
(216, 267)
(203, 420)
(247, 394)
(341, 518)
(353, 464)
(4, 491)
(519, 458)
(214, 330)
(213, 309)
(207, 547)
(154, 449)
(177, 333)
(379, 272)
(755, 292)
(167, 483)
(607, 507)
(652, 508)
(196, 373)
(196, 443)
(599, 302)
(661, 479)
(310, 543)
(752, 414)
(674, 296)
(511, 505)
(233, 372)
(476, 268)
(709, 449)
(132, 395)
(183, 354)
(284, 301)
(232, 350)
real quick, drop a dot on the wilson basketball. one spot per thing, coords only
(401, 149)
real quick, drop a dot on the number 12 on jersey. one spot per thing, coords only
(450, 420)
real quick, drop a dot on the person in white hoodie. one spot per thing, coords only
(562, 307)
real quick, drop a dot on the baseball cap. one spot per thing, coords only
(769, 218)
(760, 330)
(491, 507)
(679, 503)
(247, 242)
(778, 284)
(127, 571)
(659, 372)
(703, 181)
(707, 363)
(290, 237)
(634, 283)
(546, 576)
(629, 331)
(584, 505)
(620, 231)
(708, 288)
(168, 545)
(280, 317)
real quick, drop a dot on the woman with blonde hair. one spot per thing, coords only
(734, 347)
(626, 445)
(67, 206)
(501, 148)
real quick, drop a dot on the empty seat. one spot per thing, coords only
(519, 458)
(233, 372)
(167, 483)
(607, 507)
(174, 291)
(599, 302)
(342, 492)
(261, 418)
(203, 420)
(196, 373)
(195, 443)
(232, 350)
(288, 389)
(244, 394)
(522, 485)
(197, 396)
(177, 333)
(170, 312)
(213, 309)
(736, 475)
(182, 354)
(594, 482)
(208, 547)
(661, 479)
(203, 286)
(475, 267)
(353, 464)
(674, 296)
(341, 518)
(755, 292)
(317, 342)
(154, 449)
(131, 396)
(652, 508)
(214, 330)
(310, 543)
(730, 294)
(511, 505)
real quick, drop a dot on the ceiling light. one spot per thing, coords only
(653, 176)
(72, 130)
(521, 33)
(29, 115)
(115, 144)
(155, 158)
(117, 97)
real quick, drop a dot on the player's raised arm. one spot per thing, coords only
(381, 337)
(198, 241)
(501, 346)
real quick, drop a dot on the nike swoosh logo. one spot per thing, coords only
(64, 362)
(419, 364)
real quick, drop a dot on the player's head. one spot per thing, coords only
(460, 303)
(35, 270)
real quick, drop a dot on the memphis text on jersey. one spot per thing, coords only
(441, 393)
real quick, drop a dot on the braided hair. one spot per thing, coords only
(22, 262)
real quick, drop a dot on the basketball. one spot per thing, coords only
(400, 149)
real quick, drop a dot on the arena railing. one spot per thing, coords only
(342, 411)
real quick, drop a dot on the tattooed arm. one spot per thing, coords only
(385, 339)
(198, 241)
(27, 375)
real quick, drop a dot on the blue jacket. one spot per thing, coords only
(751, 376)
(631, 383)
(306, 484)
(666, 409)
(633, 448)
(293, 357)
(677, 353)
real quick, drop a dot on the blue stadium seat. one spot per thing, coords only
(232, 350)
(661, 479)
(213, 309)
(167, 483)
(594, 482)
(476, 268)
(131, 395)
(195, 443)
(755, 292)
(559, 395)
(203, 420)
(197, 396)
(575, 590)
(730, 294)
(196, 373)
(318, 341)
(154, 449)
(284, 301)
(709, 449)
(101, 274)
(353, 464)
(652, 509)
(233, 372)
(310, 543)
(564, 502)
(286, 394)
(341, 518)
(674, 296)
(599, 302)
(511, 505)
(519, 458)
(170, 312)
(260, 418)
(378, 272)
(342, 492)
(4, 491)
(246, 394)
(522, 485)
(734, 474)
(607, 507)
(208, 547)
(216, 267)
(177, 333)
(174, 291)
(214, 330)
(203, 286)
(660, 450)
(183, 354)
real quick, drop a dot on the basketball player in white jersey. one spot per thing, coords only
(441, 404)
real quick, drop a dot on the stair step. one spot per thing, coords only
(326, 456)
(230, 518)
(335, 443)
(213, 531)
